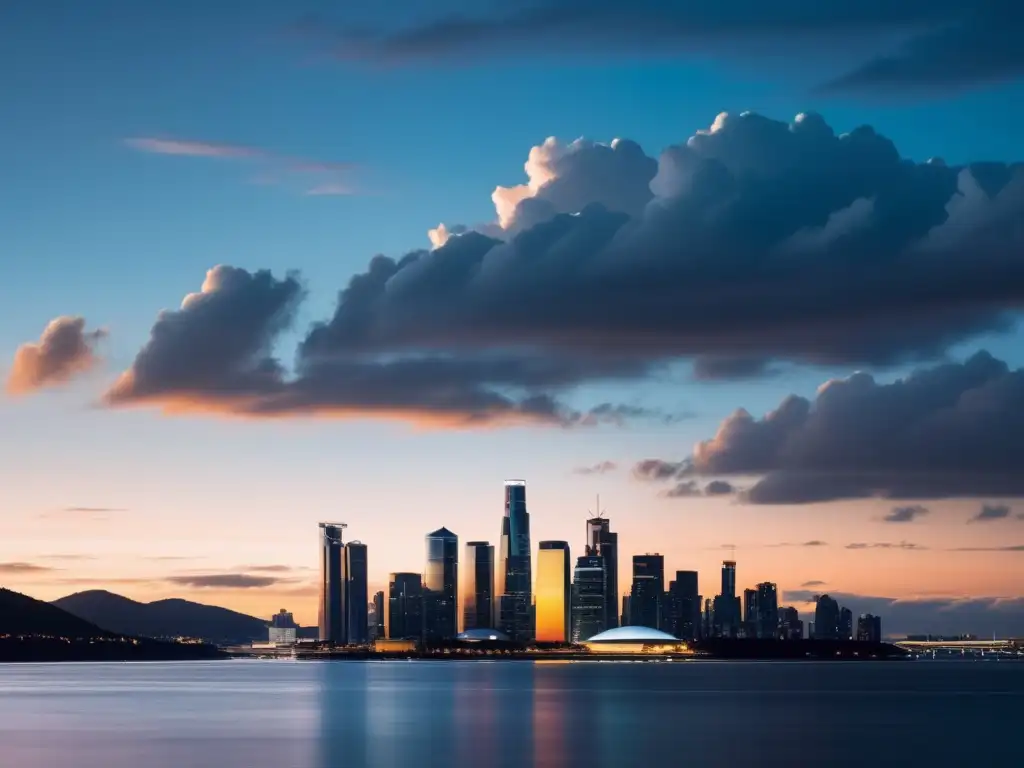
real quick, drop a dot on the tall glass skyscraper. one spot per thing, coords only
(332, 584)
(553, 592)
(648, 592)
(356, 593)
(727, 604)
(514, 573)
(602, 542)
(442, 585)
(767, 610)
(404, 616)
(588, 598)
(684, 606)
(478, 586)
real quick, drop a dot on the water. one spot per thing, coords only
(281, 714)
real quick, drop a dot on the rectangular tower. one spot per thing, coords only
(356, 593)
(648, 592)
(603, 542)
(514, 575)
(588, 593)
(332, 618)
(553, 592)
(478, 586)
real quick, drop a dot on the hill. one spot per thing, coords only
(32, 630)
(164, 618)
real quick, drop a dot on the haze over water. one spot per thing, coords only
(328, 715)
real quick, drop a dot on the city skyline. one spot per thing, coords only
(255, 277)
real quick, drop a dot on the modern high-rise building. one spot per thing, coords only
(332, 617)
(648, 592)
(588, 598)
(356, 593)
(514, 577)
(404, 616)
(749, 623)
(845, 624)
(726, 607)
(441, 597)
(767, 614)
(554, 597)
(601, 541)
(379, 612)
(283, 629)
(683, 610)
(478, 586)
(790, 625)
(869, 628)
(826, 618)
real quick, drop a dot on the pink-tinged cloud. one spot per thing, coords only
(329, 189)
(163, 146)
(64, 351)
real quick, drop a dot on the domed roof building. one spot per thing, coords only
(635, 640)
(483, 636)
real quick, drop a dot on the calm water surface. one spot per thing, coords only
(281, 714)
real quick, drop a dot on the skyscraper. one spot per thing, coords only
(478, 586)
(441, 602)
(514, 574)
(684, 606)
(404, 616)
(332, 618)
(826, 618)
(869, 628)
(648, 592)
(767, 617)
(726, 607)
(845, 624)
(379, 612)
(790, 625)
(588, 598)
(749, 623)
(603, 542)
(356, 593)
(554, 599)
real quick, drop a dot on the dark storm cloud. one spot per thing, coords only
(224, 581)
(927, 43)
(905, 514)
(756, 240)
(64, 351)
(990, 512)
(954, 430)
(601, 468)
(980, 616)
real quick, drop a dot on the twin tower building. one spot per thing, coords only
(497, 591)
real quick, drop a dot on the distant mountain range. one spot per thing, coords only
(32, 630)
(165, 618)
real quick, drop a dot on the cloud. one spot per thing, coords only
(608, 266)
(811, 543)
(64, 351)
(989, 512)
(69, 557)
(980, 616)
(905, 514)
(954, 430)
(813, 583)
(601, 468)
(269, 568)
(15, 569)
(886, 545)
(689, 488)
(926, 43)
(318, 177)
(719, 488)
(1009, 548)
(93, 510)
(224, 581)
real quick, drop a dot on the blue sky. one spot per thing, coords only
(92, 227)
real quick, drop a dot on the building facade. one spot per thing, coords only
(332, 616)
(826, 618)
(588, 598)
(403, 618)
(869, 628)
(554, 596)
(604, 543)
(441, 587)
(683, 606)
(478, 586)
(379, 612)
(766, 617)
(726, 609)
(357, 597)
(647, 594)
(790, 625)
(514, 575)
(845, 624)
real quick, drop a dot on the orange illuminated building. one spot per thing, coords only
(552, 592)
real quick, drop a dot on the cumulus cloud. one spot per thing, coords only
(224, 581)
(954, 430)
(980, 616)
(318, 177)
(610, 265)
(64, 351)
(925, 42)
(601, 468)
(905, 514)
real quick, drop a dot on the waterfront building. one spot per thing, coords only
(378, 615)
(604, 543)
(634, 640)
(790, 626)
(648, 591)
(726, 606)
(514, 576)
(356, 594)
(554, 598)
(283, 629)
(683, 606)
(826, 618)
(332, 617)
(404, 615)
(869, 628)
(441, 604)
(845, 624)
(588, 598)
(766, 616)
(478, 586)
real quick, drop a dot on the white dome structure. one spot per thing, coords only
(632, 640)
(482, 636)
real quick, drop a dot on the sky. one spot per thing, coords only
(760, 290)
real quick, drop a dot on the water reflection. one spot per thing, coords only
(551, 707)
